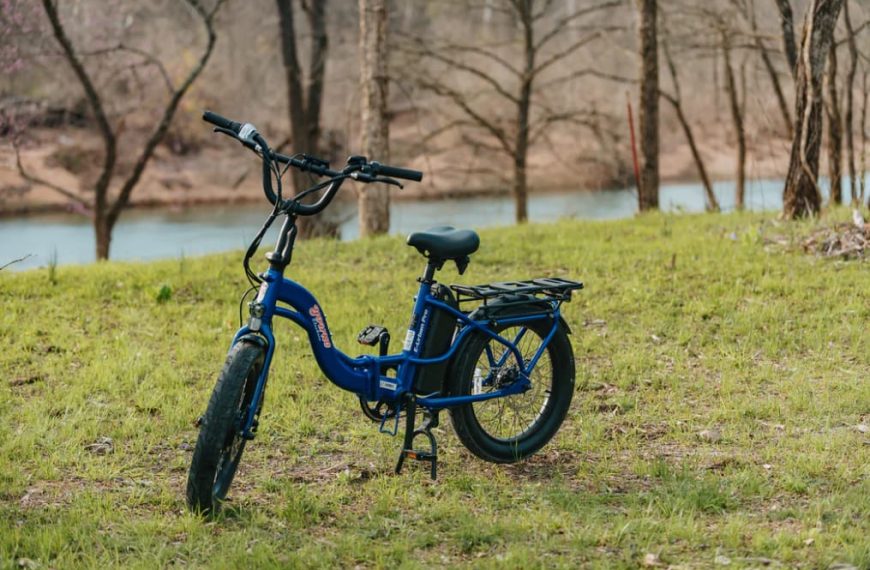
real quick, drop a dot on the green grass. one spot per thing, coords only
(688, 323)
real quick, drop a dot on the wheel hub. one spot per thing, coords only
(506, 376)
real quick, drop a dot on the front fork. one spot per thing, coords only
(260, 333)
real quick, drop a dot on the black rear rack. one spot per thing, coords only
(552, 287)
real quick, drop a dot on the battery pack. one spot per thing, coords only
(442, 326)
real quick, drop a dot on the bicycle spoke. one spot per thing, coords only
(510, 417)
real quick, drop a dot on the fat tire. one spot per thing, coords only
(219, 427)
(460, 383)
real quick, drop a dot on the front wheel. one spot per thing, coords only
(220, 444)
(508, 429)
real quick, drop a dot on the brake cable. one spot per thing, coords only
(270, 168)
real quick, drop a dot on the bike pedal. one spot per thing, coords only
(371, 335)
(419, 455)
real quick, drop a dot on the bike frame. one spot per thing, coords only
(364, 375)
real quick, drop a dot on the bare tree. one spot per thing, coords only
(107, 205)
(863, 168)
(648, 192)
(835, 130)
(737, 108)
(374, 200)
(676, 101)
(801, 196)
(514, 82)
(747, 9)
(788, 42)
(304, 103)
(849, 88)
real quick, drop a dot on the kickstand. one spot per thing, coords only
(430, 420)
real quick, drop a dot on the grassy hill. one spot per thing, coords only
(720, 416)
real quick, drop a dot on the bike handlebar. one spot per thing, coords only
(357, 166)
(395, 172)
(222, 122)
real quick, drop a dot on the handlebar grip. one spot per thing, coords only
(222, 122)
(396, 172)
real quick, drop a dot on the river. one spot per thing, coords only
(197, 230)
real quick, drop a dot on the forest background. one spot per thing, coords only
(727, 61)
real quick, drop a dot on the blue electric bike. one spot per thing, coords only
(497, 356)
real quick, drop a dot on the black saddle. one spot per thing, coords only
(445, 243)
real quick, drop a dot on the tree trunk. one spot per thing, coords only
(777, 89)
(103, 232)
(801, 195)
(788, 44)
(374, 200)
(850, 104)
(524, 102)
(648, 192)
(737, 119)
(101, 188)
(835, 130)
(316, 12)
(711, 203)
(520, 190)
(768, 66)
(521, 154)
(305, 111)
(862, 170)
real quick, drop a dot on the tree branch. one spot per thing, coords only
(586, 72)
(854, 31)
(36, 180)
(483, 52)
(94, 100)
(14, 261)
(462, 103)
(489, 79)
(156, 136)
(578, 117)
(564, 22)
(148, 58)
(543, 11)
(565, 53)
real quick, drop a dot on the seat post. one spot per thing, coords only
(431, 267)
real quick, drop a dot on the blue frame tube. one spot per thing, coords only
(362, 375)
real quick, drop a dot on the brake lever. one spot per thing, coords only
(385, 180)
(244, 142)
(368, 178)
(392, 181)
(227, 132)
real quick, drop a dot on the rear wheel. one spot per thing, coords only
(508, 429)
(220, 444)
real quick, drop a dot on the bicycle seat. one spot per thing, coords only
(445, 242)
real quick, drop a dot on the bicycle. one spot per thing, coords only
(503, 368)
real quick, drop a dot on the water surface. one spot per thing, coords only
(197, 230)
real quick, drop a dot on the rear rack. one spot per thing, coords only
(551, 287)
